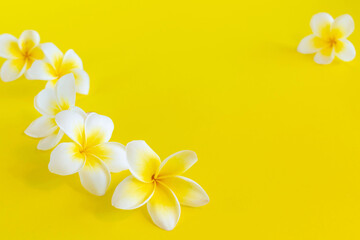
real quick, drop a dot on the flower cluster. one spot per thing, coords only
(91, 153)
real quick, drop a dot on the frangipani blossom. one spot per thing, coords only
(329, 38)
(91, 154)
(49, 102)
(21, 53)
(158, 184)
(56, 64)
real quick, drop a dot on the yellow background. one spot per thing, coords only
(277, 135)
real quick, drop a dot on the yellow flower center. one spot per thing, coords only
(90, 145)
(153, 178)
(332, 41)
(26, 55)
(84, 150)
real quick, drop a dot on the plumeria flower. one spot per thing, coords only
(56, 64)
(329, 38)
(21, 53)
(158, 184)
(49, 102)
(91, 154)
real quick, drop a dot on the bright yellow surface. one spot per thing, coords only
(277, 136)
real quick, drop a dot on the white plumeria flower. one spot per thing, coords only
(49, 102)
(21, 53)
(329, 38)
(158, 184)
(56, 64)
(91, 154)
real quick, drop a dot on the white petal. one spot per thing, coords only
(65, 91)
(324, 56)
(132, 193)
(41, 127)
(9, 47)
(52, 54)
(177, 163)
(50, 84)
(343, 26)
(95, 176)
(309, 45)
(98, 129)
(79, 110)
(164, 208)
(66, 159)
(41, 70)
(321, 24)
(28, 40)
(82, 81)
(143, 161)
(51, 141)
(71, 60)
(46, 102)
(347, 51)
(188, 192)
(12, 69)
(112, 154)
(72, 123)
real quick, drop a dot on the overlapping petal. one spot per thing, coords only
(325, 56)
(311, 44)
(41, 70)
(112, 154)
(72, 123)
(9, 47)
(66, 159)
(50, 141)
(132, 193)
(321, 24)
(95, 176)
(98, 129)
(82, 81)
(53, 54)
(70, 61)
(177, 163)
(164, 208)
(28, 40)
(143, 161)
(345, 50)
(66, 92)
(46, 102)
(188, 192)
(12, 69)
(41, 127)
(343, 26)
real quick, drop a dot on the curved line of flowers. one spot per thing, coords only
(153, 182)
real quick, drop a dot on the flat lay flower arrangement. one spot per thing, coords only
(108, 106)
(156, 183)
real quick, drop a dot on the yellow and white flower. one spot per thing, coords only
(158, 184)
(56, 64)
(21, 53)
(329, 38)
(91, 154)
(49, 102)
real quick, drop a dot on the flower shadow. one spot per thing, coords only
(34, 167)
(101, 206)
(35, 174)
(21, 89)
